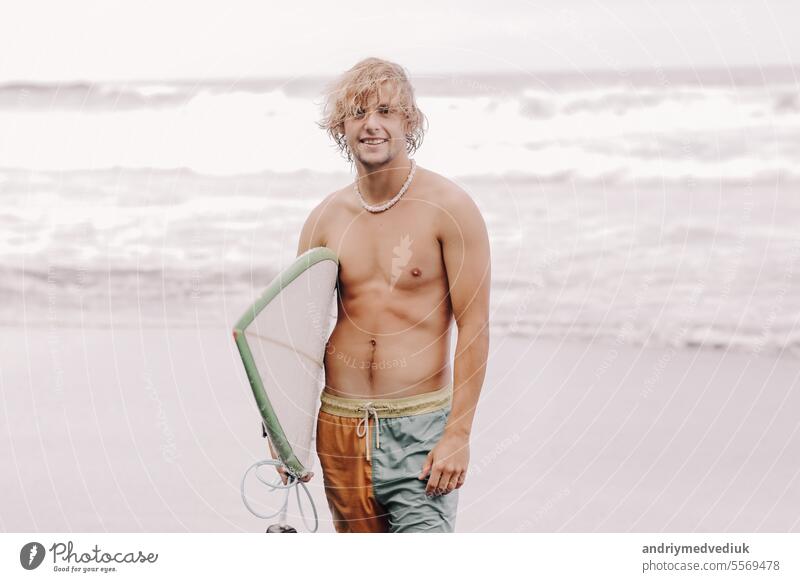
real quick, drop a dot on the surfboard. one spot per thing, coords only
(281, 339)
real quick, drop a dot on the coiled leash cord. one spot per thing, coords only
(278, 485)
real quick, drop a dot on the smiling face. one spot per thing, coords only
(374, 98)
(376, 129)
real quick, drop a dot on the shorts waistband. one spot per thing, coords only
(387, 407)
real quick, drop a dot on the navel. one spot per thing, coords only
(373, 342)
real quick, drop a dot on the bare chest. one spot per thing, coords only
(397, 249)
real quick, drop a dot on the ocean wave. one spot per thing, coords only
(694, 337)
(89, 97)
(610, 132)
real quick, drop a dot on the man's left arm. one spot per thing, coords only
(465, 248)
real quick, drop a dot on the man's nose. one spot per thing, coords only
(371, 119)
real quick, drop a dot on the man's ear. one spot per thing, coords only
(340, 131)
(408, 128)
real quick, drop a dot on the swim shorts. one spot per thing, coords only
(372, 452)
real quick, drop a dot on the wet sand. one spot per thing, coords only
(128, 430)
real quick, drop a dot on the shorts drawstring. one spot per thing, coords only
(363, 409)
(363, 427)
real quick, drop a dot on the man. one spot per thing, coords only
(393, 431)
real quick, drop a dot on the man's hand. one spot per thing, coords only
(282, 472)
(447, 465)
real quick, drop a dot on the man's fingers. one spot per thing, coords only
(434, 481)
(426, 467)
(453, 483)
(444, 482)
(285, 476)
(282, 473)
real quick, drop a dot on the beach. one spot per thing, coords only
(645, 297)
(150, 430)
(660, 205)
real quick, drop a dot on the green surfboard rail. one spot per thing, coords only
(284, 279)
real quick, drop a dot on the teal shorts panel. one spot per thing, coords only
(405, 442)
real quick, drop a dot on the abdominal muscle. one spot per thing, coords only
(382, 349)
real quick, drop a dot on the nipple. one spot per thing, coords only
(416, 272)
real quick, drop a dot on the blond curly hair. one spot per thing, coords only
(353, 90)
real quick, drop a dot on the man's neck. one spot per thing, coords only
(378, 185)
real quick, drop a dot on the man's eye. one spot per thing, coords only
(383, 110)
(359, 113)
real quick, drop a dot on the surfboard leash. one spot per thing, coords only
(277, 485)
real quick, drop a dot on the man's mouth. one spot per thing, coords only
(373, 141)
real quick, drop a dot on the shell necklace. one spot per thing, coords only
(387, 205)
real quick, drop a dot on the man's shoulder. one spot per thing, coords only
(317, 225)
(456, 210)
(343, 200)
(452, 200)
(445, 191)
(333, 203)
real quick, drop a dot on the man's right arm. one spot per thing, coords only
(313, 234)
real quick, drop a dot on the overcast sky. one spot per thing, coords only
(108, 39)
